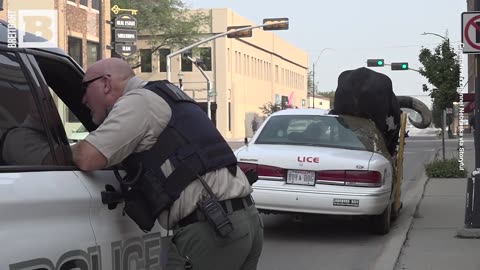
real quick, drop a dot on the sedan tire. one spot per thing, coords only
(380, 224)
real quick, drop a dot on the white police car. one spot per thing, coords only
(51, 214)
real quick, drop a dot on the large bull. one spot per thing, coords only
(365, 93)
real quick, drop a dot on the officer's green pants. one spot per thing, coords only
(206, 250)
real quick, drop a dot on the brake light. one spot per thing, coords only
(247, 166)
(263, 170)
(331, 175)
(350, 178)
(270, 171)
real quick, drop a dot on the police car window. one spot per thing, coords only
(23, 139)
(64, 81)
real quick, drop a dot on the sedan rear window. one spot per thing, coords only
(319, 130)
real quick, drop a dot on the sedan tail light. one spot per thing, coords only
(350, 178)
(264, 172)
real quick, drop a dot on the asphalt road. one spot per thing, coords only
(325, 242)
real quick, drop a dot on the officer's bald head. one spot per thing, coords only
(103, 84)
(115, 67)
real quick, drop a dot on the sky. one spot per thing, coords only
(355, 31)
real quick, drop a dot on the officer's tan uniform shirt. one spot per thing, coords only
(133, 125)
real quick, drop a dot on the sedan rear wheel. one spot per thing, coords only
(380, 224)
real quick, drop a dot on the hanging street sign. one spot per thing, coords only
(125, 50)
(125, 21)
(125, 35)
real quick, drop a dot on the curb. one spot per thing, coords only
(388, 259)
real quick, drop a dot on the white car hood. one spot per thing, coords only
(304, 157)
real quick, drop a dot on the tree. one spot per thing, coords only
(167, 23)
(442, 69)
(269, 108)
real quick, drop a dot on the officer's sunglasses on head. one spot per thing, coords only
(87, 83)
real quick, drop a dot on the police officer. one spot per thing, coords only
(182, 167)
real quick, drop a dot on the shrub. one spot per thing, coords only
(444, 169)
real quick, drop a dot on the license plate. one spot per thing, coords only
(346, 202)
(306, 178)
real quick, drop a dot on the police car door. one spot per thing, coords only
(44, 209)
(123, 245)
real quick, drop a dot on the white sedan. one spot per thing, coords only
(310, 162)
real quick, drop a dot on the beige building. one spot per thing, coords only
(80, 33)
(246, 73)
(320, 101)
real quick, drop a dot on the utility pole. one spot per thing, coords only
(472, 211)
(313, 85)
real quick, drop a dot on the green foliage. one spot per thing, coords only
(448, 168)
(167, 23)
(269, 108)
(442, 70)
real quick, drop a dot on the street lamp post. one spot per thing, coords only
(313, 74)
(209, 86)
(285, 21)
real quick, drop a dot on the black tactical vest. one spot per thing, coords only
(190, 142)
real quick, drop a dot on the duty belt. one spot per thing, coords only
(237, 204)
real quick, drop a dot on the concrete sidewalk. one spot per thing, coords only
(432, 241)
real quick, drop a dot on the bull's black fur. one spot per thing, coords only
(365, 93)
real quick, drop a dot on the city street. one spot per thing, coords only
(320, 242)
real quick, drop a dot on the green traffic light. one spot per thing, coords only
(404, 66)
(380, 63)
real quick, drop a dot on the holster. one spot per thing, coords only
(252, 176)
(137, 208)
(145, 198)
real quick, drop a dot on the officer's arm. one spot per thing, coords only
(87, 157)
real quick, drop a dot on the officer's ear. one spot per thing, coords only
(107, 84)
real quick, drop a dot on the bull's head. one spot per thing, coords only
(419, 107)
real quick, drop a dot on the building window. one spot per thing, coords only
(163, 59)
(229, 60)
(96, 4)
(205, 55)
(93, 55)
(84, 2)
(75, 49)
(146, 60)
(229, 116)
(186, 64)
(276, 73)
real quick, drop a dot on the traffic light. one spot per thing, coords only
(400, 66)
(239, 34)
(280, 24)
(375, 63)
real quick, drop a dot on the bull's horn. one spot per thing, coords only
(419, 107)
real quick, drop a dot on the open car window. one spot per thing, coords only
(64, 81)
